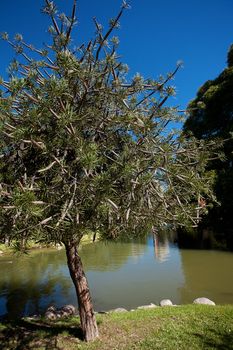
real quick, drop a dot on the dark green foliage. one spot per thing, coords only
(211, 117)
(82, 148)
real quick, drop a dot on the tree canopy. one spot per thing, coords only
(83, 147)
(210, 113)
(211, 117)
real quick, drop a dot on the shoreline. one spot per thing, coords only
(185, 327)
(33, 247)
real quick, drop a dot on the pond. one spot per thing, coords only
(120, 274)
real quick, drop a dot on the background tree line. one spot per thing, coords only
(211, 118)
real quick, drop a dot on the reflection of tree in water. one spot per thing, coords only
(161, 243)
(30, 283)
(161, 248)
(109, 255)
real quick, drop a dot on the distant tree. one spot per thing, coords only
(211, 118)
(83, 149)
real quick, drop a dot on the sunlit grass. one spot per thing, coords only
(182, 327)
(32, 245)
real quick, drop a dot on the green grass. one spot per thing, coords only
(183, 327)
(31, 245)
(3, 248)
(7, 250)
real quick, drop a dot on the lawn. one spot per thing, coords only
(168, 328)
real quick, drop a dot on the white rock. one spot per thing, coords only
(50, 315)
(150, 306)
(51, 309)
(166, 302)
(204, 301)
(119, 309)
(52, 312)
(68, 310)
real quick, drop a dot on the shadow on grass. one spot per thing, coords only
(25, 335)
(219, 340)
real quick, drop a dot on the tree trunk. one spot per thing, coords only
(86, 311)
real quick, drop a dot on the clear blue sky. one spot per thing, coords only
(154, 35)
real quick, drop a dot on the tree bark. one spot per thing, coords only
(86, 310)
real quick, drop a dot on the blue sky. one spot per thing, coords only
(154, 35)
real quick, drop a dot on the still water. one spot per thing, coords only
(120, 274)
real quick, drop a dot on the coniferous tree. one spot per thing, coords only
(84, 149)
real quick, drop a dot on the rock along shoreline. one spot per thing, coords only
(53, 313)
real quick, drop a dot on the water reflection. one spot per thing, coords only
(209, 274)
(28, 284)
(120, 274)
(161, 248)
(110, 256)
(140, 280)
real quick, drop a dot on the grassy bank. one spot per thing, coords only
(169, 328)
(31, 245)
